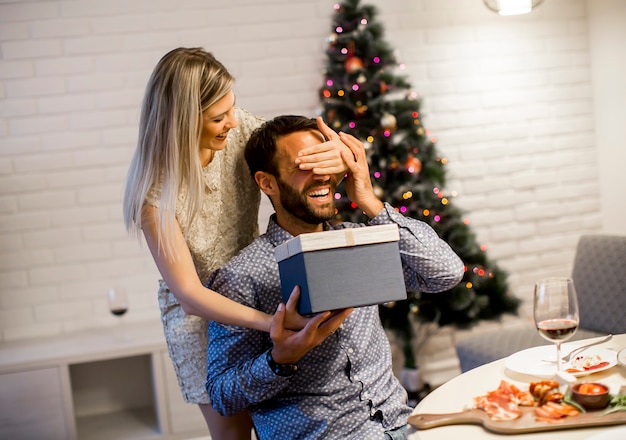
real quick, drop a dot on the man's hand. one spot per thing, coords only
(294, 320)
(358, 183)
(290, 346)
(326, 157)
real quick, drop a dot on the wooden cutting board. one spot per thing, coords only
(524, 424)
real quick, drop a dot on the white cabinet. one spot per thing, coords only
(94, 386)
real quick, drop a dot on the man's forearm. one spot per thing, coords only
(234, 382)
(429, 262)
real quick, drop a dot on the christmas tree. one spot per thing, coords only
(364, 95)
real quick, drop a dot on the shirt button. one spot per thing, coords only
(350, 350)
(355, 378)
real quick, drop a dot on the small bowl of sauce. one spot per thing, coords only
(591, 395)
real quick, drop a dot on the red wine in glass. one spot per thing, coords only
(557, 329)
(119, 312)
(118, 305)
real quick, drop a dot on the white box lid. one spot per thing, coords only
(315, 241)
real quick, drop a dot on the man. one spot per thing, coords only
(306, 384)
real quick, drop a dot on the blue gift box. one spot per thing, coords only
(350, 267)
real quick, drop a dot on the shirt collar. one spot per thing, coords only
(277, 235)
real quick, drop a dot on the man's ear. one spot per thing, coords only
(266, 182)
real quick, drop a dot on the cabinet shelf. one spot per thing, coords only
(114, 396)
(135, 424)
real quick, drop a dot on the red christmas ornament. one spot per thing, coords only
(353, 63)
(413, 164)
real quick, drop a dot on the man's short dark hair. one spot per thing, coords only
(260, 152)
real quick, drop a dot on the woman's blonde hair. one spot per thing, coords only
(184, 83)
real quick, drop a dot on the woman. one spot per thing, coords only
(190, 192)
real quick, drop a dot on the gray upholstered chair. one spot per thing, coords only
(599, 275)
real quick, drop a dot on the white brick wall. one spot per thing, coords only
(509, 100)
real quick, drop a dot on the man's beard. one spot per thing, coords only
(298, 205)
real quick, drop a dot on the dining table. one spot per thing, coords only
(457, 395)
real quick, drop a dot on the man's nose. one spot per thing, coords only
(323, 178)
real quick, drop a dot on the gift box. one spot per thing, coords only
(350, 267)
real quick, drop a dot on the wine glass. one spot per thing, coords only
(118, 305)
(555, 309)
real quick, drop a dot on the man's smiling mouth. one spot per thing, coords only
(322, 193)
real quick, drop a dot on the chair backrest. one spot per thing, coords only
(599, 275)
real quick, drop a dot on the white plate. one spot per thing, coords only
(531, 361)
(621, 357)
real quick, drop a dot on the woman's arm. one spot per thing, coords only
(180, 275)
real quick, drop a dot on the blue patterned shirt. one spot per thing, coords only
(345, 388)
